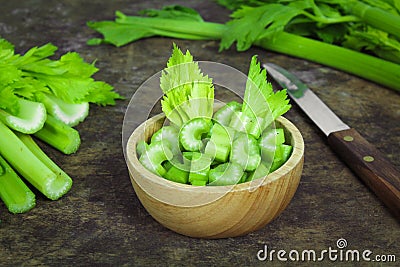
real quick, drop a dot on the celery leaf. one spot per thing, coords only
(187, 92)
(173, 12)
(259, 98)
(249, 24)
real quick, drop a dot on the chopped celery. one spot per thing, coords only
(226, 174)
(260, 172)
(243, 178)
(199, 182)
(245, 152)
(199, 168)
(247, 123)
(224, 114)
(177, 174)
(155, 154)
(13, 191)
(29, 119)
(282, 154)
(59, 135)
(170, 134)
(219, 145)
(141, 147)
(269, 141)
(192, 133)
(224, 150)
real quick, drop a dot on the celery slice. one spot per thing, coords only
(220, 143)
(282, 154)
(141, 147)
(13, 191)
(269, 141)
(226, 174)
(199, 168)
(153, 157)
(245, 152)
(177, 174)
(260, 172)
(248, 124)
(224, 114)
(170, 134)
(192, 133)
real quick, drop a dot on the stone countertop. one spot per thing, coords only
(101, 222)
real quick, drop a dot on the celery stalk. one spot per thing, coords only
(63, 182)
(13, 191)
(29, 119)
(59, 135)
(376, 17)
(33, 164)
(362, 65)
(69, 113)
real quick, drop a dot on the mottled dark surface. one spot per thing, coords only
(100, 221)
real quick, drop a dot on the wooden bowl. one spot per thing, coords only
(215, 211)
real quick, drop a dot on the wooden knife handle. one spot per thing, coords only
(370, 165)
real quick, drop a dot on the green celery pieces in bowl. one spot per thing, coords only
(215, 170)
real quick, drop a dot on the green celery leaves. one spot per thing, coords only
(187, 92)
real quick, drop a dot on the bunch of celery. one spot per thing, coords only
(357, 36)
(236, 144)
(44, 98)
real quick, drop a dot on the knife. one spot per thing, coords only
(370, 165)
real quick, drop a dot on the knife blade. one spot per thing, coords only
(364, 159)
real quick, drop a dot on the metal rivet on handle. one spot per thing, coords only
(368, 158)
(348, 138)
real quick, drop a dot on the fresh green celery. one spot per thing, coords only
(129, 28)
(147, 27)
(261, 106)
(199, 168)
(59, 135)
(282, 154)
(169, 134)
(29, 119)
(188, 93)
(224, 114)
(33, 164)
(243, 122)
(141, 147)
(269, 141)
(220, 143)
(63, 182)
(260, 172)
(177, 174)
(155, 154)
(375, 16)
(226, 174)
(69, 113)
(363, 65)
(13, 191)
(192, 133)
(245, 152)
